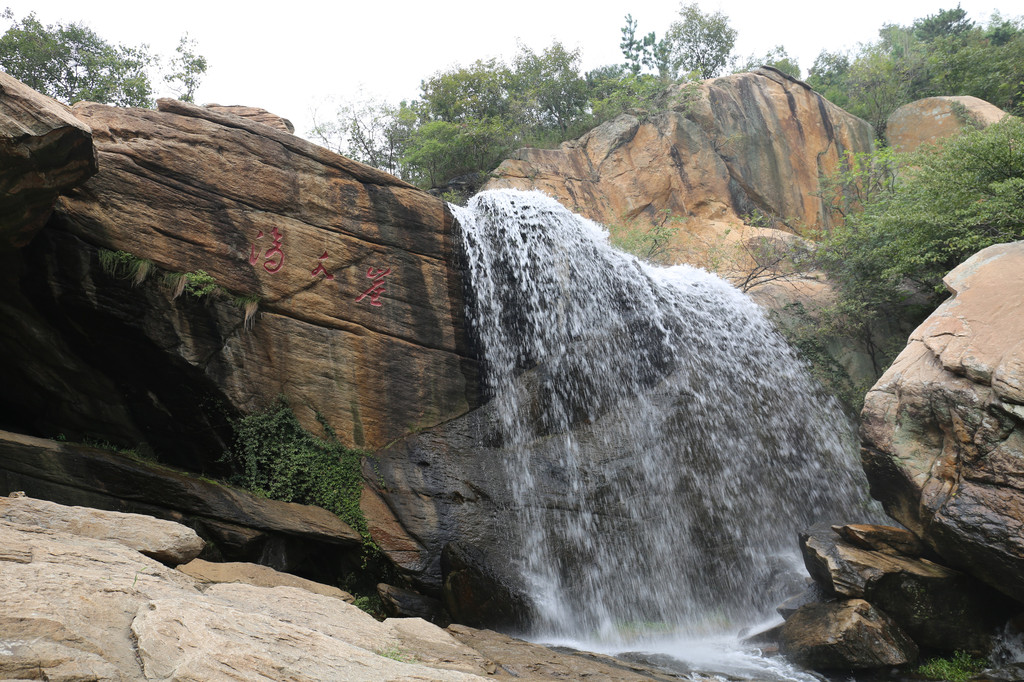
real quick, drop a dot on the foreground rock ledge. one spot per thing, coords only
(75, 607)
(943, 429)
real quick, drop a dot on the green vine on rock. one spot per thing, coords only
(274, 456)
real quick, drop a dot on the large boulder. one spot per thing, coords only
(846, 634)
(77, 607)
(933, 119)
(167, 542)
(938, 607)
(943, 429)
(44, 150)
(756, 141)
(311, 276)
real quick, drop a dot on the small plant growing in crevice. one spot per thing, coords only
(395, 654)
(196, 284)
(249, 304)
(123, 265)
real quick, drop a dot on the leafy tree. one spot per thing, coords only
(941, 54)
(903, 232)
(700, 43)
(552, 86)
(481, 90)
(778, 58)
(828, 76)
(637, 52)
(69, 62)
(187, 69)
(372, 132)
(948, 22)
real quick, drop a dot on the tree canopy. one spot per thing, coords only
(70, 62)
(940, 54)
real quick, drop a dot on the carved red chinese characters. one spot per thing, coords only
(377, 288)
(273, 258)
(320, 270)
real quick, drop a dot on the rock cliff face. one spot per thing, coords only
(746, 142)
(44, 150)
(351, 274)
(943, 429)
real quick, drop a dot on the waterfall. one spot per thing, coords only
(664, 443)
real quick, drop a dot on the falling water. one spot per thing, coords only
(665, 444)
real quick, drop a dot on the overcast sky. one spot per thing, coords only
(296, 57)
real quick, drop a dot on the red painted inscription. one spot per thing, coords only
(377, 288)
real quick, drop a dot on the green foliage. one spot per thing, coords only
(946, 204)
(777, 58)
(274, 456)
(960, 667)
(942, 54)
(70, 63)
(700, 43)
(186, 70)
(372, 132)
(395, 654)
(198, 284)
(123, 265)
(648, 240)
(902, 222)
(636, 51)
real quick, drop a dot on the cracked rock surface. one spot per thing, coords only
(943, 429)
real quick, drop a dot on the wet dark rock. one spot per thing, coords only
(405, 603)
(477, 594)
(237, 525)
(940, 608)
(811, 595)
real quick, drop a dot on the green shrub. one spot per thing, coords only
(960, 667)
(274, 456)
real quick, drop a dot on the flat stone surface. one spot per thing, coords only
(167, 542)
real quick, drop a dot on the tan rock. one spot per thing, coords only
(255, 114)
(44, 150)
(942, 429)
(255, 574)
(73, 604)
(190, 188)
(217, 636)
(848, 634)
(168, 542)
(515, 658)
(934, 119)
(746, 142)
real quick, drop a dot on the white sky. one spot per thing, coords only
(294, 57)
